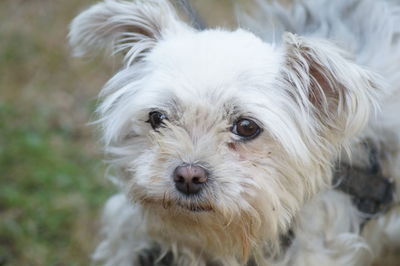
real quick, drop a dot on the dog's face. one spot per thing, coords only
(217, 133)
(212, 113)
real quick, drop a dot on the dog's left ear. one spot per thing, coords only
(129, 27)
(338, 93)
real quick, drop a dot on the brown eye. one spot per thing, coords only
(246, 128)
(156, 119)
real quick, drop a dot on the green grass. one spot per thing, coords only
(50, 194)
(52, 184)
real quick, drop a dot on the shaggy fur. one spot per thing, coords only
(312, 92)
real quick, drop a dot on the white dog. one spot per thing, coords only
(225, 141)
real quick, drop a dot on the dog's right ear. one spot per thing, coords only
(129, 27)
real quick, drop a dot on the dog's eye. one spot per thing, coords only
(156, 119)
(246, 128)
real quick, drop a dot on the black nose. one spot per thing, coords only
(189, 179)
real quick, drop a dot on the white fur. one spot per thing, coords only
(311, 98)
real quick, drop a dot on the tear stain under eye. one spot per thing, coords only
(232, 146)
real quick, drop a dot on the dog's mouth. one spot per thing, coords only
(182, 204)
(195, 207)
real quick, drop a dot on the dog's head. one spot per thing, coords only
(218, 134)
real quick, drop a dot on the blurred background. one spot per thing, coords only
(52, 182)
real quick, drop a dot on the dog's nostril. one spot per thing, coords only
(179, 179)
(199, 179)
(189, 178)
(195, 180)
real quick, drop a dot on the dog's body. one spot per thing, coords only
(226, 143)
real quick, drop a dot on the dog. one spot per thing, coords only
(230, 145)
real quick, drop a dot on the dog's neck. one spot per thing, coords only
(370, 190)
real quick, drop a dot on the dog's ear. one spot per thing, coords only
(129, 27)
(327, 85)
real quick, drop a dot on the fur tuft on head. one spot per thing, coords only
(125, 27)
